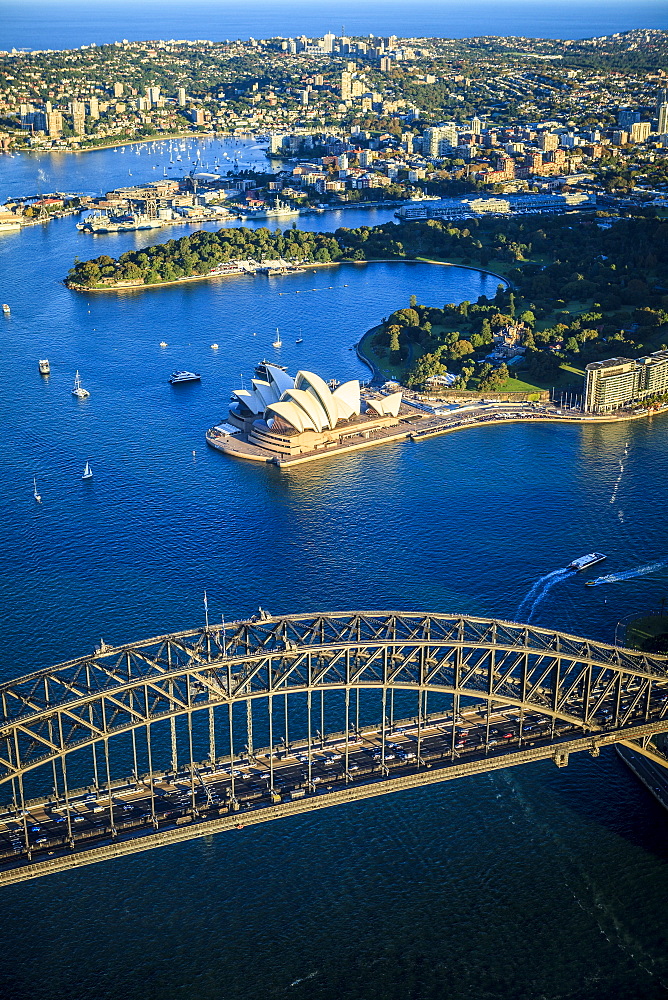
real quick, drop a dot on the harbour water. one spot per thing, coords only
(532, 883)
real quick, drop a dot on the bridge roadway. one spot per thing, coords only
(176, 807)
(522, 693)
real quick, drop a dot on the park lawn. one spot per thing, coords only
(566, 378)
(383, 364)
(517, 385)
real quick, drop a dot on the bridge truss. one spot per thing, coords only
(180, 704)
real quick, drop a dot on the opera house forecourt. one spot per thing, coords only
(287, 420)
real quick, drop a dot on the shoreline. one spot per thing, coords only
(166, 137)
(300, 267)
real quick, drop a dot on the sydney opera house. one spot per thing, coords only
(281, 417)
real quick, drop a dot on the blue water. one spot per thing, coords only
(536, 882)
(69, 24)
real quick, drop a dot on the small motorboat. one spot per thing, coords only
(35, 493)
(5, 308)
(44, 366)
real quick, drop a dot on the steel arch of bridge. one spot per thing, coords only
(51, 713)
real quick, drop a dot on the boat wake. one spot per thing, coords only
(304, 979)
(621, 473)
(630, 574)
(539, 590)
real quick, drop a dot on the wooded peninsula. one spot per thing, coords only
(582, 286)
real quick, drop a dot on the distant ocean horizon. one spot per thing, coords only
(35, 24)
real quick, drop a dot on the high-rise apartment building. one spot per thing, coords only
(153, 94)
(346, 86)
(94, 108)
(54, 123)
(476, 125)
(615, 383)
(438, 141)
(663, 119)
(548, 141)
(640, 131)
(181, 97)
(119, 89)
(78, 109)
(626, 117)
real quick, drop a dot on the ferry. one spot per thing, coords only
(584, 562)
(178, 377)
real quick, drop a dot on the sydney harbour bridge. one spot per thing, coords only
(221, 727)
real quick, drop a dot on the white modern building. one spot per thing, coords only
(284, 416)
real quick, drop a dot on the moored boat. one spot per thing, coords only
(184, 377)
(78, 389)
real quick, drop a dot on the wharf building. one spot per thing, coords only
(613, 384)
(280, 418)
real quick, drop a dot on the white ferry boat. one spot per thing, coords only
(184, 377)
(584, 562)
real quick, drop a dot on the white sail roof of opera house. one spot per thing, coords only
(264, 392)
(306, 402)
(311, 405)
(385, 406)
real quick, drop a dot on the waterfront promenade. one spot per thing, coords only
(418, 426)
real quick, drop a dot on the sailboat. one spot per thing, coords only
(35, 493)
(300, 339)
(87, 472)
(278, 342)
(78, 389)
